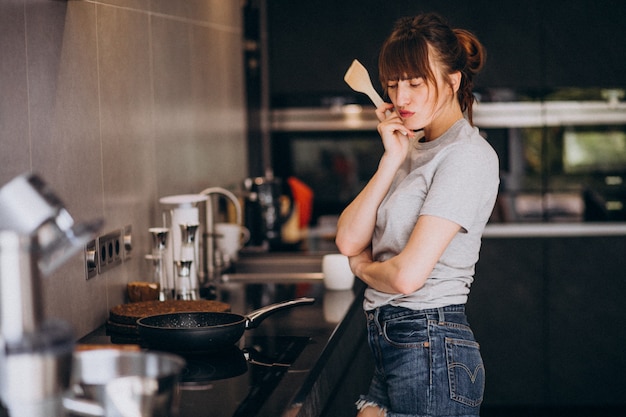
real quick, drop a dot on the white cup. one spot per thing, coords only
(230, 238)
(337, 273)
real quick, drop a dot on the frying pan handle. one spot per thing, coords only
(257, 316)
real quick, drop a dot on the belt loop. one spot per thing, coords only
(377, 320)
(442, 314)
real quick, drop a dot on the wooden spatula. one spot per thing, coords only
(359, 80)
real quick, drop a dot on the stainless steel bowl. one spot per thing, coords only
(124, 383)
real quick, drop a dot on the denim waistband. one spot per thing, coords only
(389, 312)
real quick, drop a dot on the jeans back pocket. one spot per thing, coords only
(466, 371)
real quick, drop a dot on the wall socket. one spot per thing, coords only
(110, 251)
(107, 251)
(91, 259)
(128, 241)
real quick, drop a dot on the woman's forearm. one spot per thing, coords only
(408, 271)
(356, 223)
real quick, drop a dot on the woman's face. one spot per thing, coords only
(420, 103)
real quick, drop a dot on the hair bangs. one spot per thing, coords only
(402, 59)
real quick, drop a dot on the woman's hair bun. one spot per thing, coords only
(474, 50)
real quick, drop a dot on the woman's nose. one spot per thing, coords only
(403, 98)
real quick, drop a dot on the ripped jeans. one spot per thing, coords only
(427, 363)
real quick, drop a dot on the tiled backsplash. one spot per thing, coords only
(115, 104)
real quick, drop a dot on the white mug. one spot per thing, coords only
(230, 238)
(336, 271)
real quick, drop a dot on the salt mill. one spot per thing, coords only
(187, 287)
(184, 287)
(159, 248)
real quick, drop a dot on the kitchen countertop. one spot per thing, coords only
(335, 365)
(335, 326)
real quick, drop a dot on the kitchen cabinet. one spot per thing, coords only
(533, 47)
(506, 307)
(585, 287)
(584, 43)
(547, 312)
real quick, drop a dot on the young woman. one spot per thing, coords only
(413, 233)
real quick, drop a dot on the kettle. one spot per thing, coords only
(263, 210)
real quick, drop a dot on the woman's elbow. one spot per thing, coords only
(406, 288)
(349, 250)
(348, 247)
(407, 282)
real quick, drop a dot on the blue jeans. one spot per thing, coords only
(427, 363)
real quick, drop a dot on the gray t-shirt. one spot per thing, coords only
(455, 177)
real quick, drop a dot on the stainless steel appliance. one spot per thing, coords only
(263, 210)
(37, 235)
(118, 383)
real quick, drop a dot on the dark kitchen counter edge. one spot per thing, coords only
(341, 373)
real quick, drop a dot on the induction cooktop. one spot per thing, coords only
(236, 382)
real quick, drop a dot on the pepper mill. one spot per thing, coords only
(184, 289)
(159, 248)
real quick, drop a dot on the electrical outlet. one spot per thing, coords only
(128, 241)
(110, 251)
(91, 260)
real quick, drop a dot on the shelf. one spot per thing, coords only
(486, 115)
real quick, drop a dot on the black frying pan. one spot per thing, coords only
(201, 331)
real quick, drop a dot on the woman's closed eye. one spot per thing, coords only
(416, 82)
(413, 83)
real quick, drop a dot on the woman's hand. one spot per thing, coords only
(356, 223)
(408, 271)
(360, 260)
(394, 134)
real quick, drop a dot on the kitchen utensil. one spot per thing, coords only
(35, 370)
(184, 285)
(160, 236)
(121, 326)
(264, 215)
(201, 331)
(112, 382)
(123, 317)
(186, 281)
(130, 313)
(183, 209)
(359, 80)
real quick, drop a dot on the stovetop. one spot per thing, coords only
(235, 382)
(265, 372)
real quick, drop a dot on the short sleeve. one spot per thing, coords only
(465, 183)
